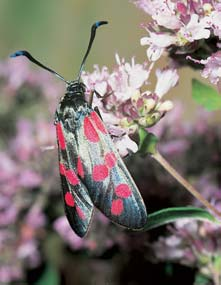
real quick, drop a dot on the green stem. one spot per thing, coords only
(158, 157)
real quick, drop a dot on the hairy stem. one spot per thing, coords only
(158, 157)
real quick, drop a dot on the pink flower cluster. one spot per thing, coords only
(184, 28)
(24, 168)
(124, 100)
(195, 149)
(193, 244)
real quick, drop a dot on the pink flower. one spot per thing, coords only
(178, 27)
(214, 21)
(97, 80)
(125, 145)
(127, 78)
(10, 71)
(35, 218)
(196, 29)
(212, 69)
(163, 12)
(124, 107)
(8, 216)
(62, 226)
(23, 145)
(28, 251)
(9, 273)
(8, 167)
(166, 79)
(157, 43)
(29, 178)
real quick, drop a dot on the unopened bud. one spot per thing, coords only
(142, 122)
(135, 97)
(149, 105)
(153, 119)
(207, 8)
(165, 106)
(149, 120)
(124, 123)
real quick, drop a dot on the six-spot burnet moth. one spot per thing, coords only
(92, 171)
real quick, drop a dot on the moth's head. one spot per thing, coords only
(75, 88)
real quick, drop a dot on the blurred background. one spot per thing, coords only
(36, 243)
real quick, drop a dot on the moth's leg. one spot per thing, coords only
(91, 97)
(98, 112)
(91, 101)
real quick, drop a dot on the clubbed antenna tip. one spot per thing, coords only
(93, 33)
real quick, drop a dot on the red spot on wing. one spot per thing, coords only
(117, 207)
(99, 124)
(62, 169)
(60, 136)
(100, 172)
(71, 177)
(80, 213)
(69, 200)
(110, 159)
(89, 131)
(80, 169)
(123, 191)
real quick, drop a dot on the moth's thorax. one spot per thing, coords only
(73, 105)
(74, 96)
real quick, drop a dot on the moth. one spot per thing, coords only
(91, 169)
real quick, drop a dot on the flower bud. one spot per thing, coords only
(165, 106)
(207, 8)
(135, 97)
(149, 105)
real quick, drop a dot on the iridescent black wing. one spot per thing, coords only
(77, 203)
(106, 178)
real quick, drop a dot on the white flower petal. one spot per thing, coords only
(166, 79)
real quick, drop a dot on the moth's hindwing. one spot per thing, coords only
(106, 178)
(77, 203)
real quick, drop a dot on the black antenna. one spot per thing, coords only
(93, 33)
(31, 58)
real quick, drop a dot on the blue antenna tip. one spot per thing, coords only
(99, 23)
(17, 53)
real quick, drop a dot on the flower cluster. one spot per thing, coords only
(196, 244)
(193, 244)
(23, 169)
(184, 29)
(125, 102)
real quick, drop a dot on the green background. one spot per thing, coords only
(57, 32)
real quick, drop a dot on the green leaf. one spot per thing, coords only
(147, 142)
(206, 96)
(49, 276)
(169, 215)
(201, 279)
(217, 263)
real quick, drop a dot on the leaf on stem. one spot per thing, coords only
(206, 96)
(147, 142)
(168, 215)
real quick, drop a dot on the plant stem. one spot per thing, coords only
(158, 157)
